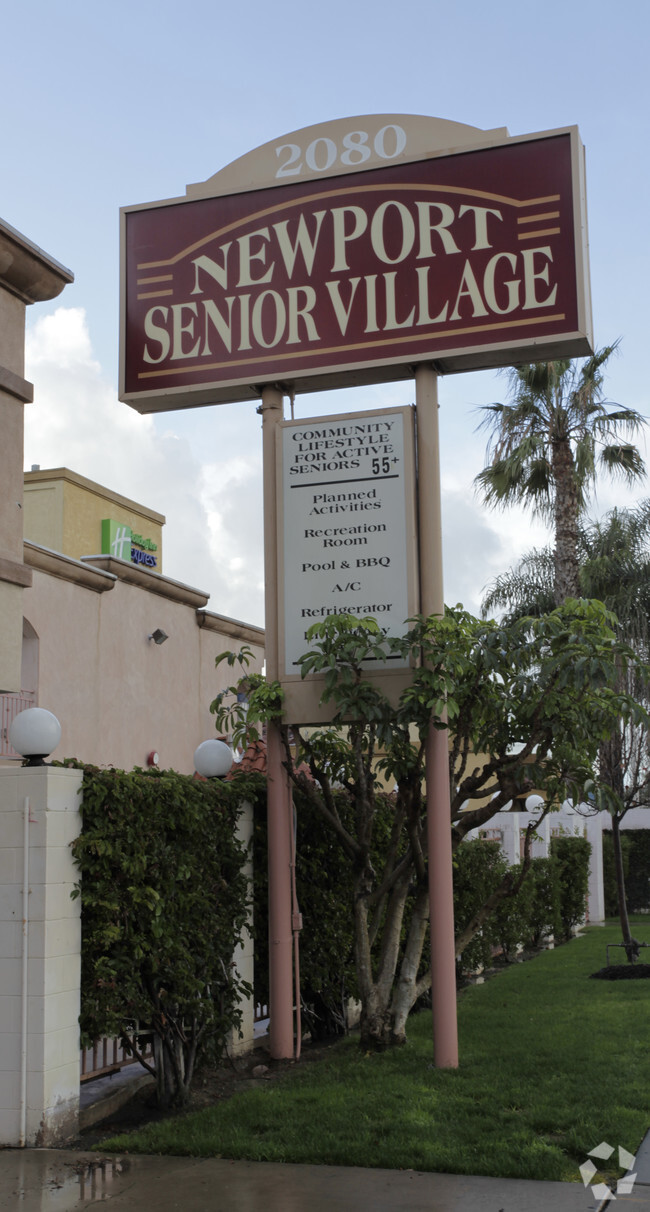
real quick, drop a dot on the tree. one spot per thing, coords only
(535, 696)
(614, 566)
(546, 445)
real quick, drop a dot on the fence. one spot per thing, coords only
(109, 1056)
(10, 706)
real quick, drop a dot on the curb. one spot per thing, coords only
(109, 1102)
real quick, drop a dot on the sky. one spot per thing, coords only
(108, 105)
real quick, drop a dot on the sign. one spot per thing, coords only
(120, 541)
(361, 258)
(347, 533)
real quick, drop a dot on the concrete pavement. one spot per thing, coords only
(58, 1180)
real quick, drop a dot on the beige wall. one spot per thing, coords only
(43, 514)
(27, 275)
(117, 695)
(12, 343)
(64, 511)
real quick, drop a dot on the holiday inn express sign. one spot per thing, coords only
(350, 252)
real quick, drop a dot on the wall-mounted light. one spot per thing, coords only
(213, 759)
(158, 636)
(35, 733)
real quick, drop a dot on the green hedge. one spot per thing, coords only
(324, 893)
(572, 853)
(523, 920)
(609, 870)
(638, 879)
(163, 905)
(635, 845)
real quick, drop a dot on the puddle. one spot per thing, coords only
(61, 1186)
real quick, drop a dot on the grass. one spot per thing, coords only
(551, 1064)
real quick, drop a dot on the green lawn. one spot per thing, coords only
(551, 1064)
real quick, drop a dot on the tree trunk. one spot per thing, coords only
(377, 989)
(610, 758)
(567, 568)
(406, 990)
(628, 941)
(373, 1023)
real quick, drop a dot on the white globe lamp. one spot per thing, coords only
(213, 759)
(35, 733)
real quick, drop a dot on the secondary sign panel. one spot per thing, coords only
(348, 525)
(471, 259)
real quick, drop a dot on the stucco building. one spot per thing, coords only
(94, 616)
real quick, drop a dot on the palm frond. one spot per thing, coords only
(525, 590)
(550, 404)
(624, 461)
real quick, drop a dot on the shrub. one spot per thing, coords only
(324, 894)
(523, 920)
(609, 869)
(163, 905)
(635, 847)
(479, 867)
(543, 916)
(638, 876)
(510, 922)
(572, 854)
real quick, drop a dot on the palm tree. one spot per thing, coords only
(546, 445)
(614, 566)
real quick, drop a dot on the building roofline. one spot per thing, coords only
(55, 564)
(234, 628)
(27, 270)
(72, 477)
(146, 578)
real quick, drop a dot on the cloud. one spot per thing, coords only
(76, 420)
(478, 545)
(232, 495)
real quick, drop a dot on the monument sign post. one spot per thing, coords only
(363, 250)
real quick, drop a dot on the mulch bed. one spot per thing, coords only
(622, 972)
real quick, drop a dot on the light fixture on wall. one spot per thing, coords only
(158, 636)
(35, 733)
(213, 759)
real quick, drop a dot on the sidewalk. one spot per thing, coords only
(55, 1180)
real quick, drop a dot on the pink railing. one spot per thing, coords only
(108, 1056)
(10, 706)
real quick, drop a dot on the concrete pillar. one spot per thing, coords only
(510, 822)
(596, 893)
(39, 988)
(27, 275)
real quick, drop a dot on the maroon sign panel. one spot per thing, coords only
(469, 260)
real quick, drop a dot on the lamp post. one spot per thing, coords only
(35, 733)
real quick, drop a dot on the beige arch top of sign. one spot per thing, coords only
(344, 145)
